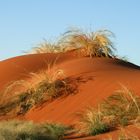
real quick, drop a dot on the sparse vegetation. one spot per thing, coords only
(48, 89)
(124, 106)
(43, 86)
(46, 47)
(119, 109)
(23, 130)
(90, 44)
(92, 122)
(86, 44)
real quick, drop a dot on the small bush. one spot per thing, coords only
(23, 130)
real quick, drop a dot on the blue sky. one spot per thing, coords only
(24, 24)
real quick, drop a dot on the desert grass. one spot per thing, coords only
(42, 86)
(91, 44)
(45, 85)
(27, 130)
(123, 105)
(46, 47)
(45, 88)
(10, 96)
(91, 122)
(118, 110)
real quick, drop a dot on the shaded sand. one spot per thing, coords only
(95, 79)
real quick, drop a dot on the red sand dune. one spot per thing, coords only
(99, 78)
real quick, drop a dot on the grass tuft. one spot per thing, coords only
(46, 47)
(123, 105)
(119, 109)
(85, 43)
(23, 130)
(40, 87)
(90, 44)
(91, 122)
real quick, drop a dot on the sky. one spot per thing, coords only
(24, 24)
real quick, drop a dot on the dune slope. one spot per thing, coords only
(95, 79)
(99, 78)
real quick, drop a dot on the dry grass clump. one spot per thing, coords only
(87, 44)
(10, 96)
(124, 106)
(46, 89)
(90, 44)
(23, 130)
(40, 87)
(92, 123)
(46, 47)
(119, 109)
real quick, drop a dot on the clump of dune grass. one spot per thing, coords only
(27, 130)
(43, 86)
(10, 96)
(119, 109)
(124, 106)
(85, 43)
(46, 86)
(90, 44)
(43, 92)
(91, 122)
(46, 47)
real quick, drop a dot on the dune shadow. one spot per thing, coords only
(72, 88)
(86, 136)
(127, 64)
